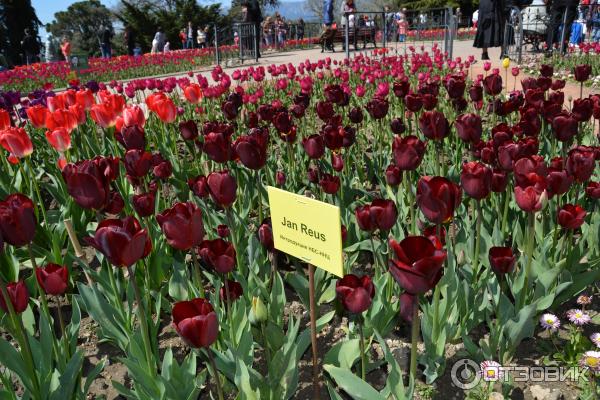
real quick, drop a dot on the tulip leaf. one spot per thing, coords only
(277, 300)
(68, 379)
(179, 281)
(300, 285)
(394, 381)
(242, 381)
(12, 360)
(352, 384)
(92, 375)
(343, 354)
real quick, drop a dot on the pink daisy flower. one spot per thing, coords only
(578, 317)
(550, 322)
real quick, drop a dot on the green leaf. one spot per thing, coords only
(343, 354)
(179, 281)
(69, 378)
(352, 384)
(277, 302)
(394, 379)
(92, 375)
(242, 381)
(11, 359)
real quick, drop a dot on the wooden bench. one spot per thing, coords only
(366, 34)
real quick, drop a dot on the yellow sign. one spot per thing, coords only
(307, 229)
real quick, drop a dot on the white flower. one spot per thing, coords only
(550, 322)
(491, 371)
(591, 360)
(578, 317)
(595, 338)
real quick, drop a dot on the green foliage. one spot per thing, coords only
(82, 23)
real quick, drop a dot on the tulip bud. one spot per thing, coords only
(258, 311)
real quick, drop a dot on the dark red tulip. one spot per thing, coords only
(115, 203)
(355, 294)
(380, 214)
(592, 190)
(502, 260)
(499, 181)
(88, 181)
(280, 178)
(337, 162)
(18, 296)
(324, 110)
(122, 241)
(476, 180)
(223, 231)
(377, 108)
(196, 322)
(143, 204)
(469, 128)
(408, 152)
(344, 233)
(580, 163)
(229, 110)
(571, 216)
(534, 98)
(434, 125)
(312, 175)
(401, 87)
(508, 153)
(252, 148)
(218, 254)
(314, 146)
(438, 198)
(492, 84)
(182, 225)
(546, 70)
(217, 146)
(558, 84)
(413, 102)
(329, 183)
(265, 234)
(188, 130)
(455, 86)
(559, 181)
(199, 186)
(476, 93)
(582, 72)
(283, 122)
(557, 98)
(355, 115)
(530, 171)
(417, 264)
(431, 232)
(234, 289)
(131, 137)
(393, 175)
(53, 279)
(397, 126)
(161, 168)
(530, 198)
(529, 83)
(137, 163)
(582, 109)
(17, 220)
(407, 305)
(222, 187)
(430, 101)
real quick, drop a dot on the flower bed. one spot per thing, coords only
(464, 209)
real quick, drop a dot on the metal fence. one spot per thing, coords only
(537, 27)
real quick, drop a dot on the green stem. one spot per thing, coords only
(414, 338)
(215, 373)
(505, 213)
(260, 205)
(363, 355)
(63, 331)
(228, 311)
(530, 247)
(374, 253)
(232, 229)
(37, 192)
(197, 274)
(143, 322)
(475, 259)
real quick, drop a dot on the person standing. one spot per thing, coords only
(490, 27)
(402, 28)
(129, 37)
(183, 39)
(190, 36)
(328, 13)
(560, 11)
(348, 19)
(105, 39)
(158, 43)
(65, 48)
(255, 17)
(30, 47)
(201, 38)
(300, 29)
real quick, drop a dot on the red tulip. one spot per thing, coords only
(502, 260)
(476, 180)
(582, 72)
(218, 254)
(85, 98)
(88, 181)
(499, 181)
(559, 181)
(56, 103)
(5, 120)
(193, 93)
(408, 152)
(217, 146)
(571, 216)
(199, 186)
(434, 125)
(380, 214)
(37, 116)
(546, 70)
(122, 241)
(581, 163)
(582, 109)
(196, 322)
(393, 175)
(103, 114)
(413, 102)
(234, 288)
(60, 139)
(492, 84)
(564, 127)
(53, 279)
(182, 225)
(17, 220)
(222, 187)
(16, 142)
(329, 183)
(593, 190)
(143, 204)
(134, 116)
(418, 263)
(314, 146)
(223, 231)
(265, 234)
(18, 296)
(252, 148)
(469, 128)
(137, 163)
(530, 198)
(164, 108)
(437, 198)
(355, 294)
(131, 137)
(188, 130)
(79, 113)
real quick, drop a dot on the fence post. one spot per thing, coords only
(561, 49)
(255, 41)
(450, 29)
(217, 56)
(384, 19)
(346, 33)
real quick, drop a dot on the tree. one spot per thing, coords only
(15, 17)
(82, 23)
(144, 17)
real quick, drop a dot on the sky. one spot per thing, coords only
(45, 9)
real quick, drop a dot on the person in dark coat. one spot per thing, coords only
(255, 16)
(129, 37)
(30, 47)
(490, 26)
(560, 11)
